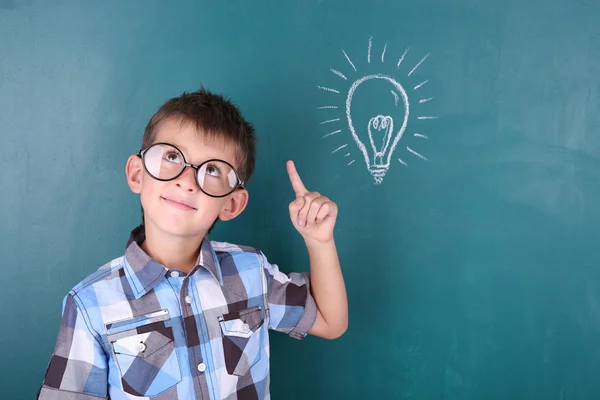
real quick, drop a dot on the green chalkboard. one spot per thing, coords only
(468, 244)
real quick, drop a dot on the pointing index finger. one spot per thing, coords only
(297, 184)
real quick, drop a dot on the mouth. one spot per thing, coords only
(179, 204)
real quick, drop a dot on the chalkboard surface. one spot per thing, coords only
(469, 218)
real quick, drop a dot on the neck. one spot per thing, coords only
(179, 253)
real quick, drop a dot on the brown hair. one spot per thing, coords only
(215, 116)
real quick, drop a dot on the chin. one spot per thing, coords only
(182, 233)
(180, 226)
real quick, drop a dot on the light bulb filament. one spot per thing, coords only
(380, 126)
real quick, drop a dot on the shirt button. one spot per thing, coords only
(188, 299)
(201, 367)
(174, 274)
(141, 347)
(246, 327)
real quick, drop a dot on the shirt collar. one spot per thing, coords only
(143, 273)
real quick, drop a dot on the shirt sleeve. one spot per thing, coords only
(291, 307)
(78, 367)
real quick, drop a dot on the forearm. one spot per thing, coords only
(328, 289)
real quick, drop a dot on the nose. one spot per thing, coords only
(187, 180)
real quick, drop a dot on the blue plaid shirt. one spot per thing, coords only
(136, 330)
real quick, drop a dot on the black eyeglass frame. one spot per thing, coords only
(196, 168)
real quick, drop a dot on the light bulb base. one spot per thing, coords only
(378, 173)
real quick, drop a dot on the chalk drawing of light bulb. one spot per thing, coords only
(377, 112)
(382, 137)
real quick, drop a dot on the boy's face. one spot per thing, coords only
(178, 207)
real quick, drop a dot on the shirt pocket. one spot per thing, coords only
(242, 339)
(146, 357)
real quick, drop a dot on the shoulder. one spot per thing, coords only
(105, 277)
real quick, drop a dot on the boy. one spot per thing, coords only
(179, 316)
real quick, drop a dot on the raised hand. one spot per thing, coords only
(312, 215)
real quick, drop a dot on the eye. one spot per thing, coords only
(213, 170)
(173, 156)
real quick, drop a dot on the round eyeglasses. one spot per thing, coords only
(165, 162)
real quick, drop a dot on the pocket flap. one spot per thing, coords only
(242, 323)
(142, 344)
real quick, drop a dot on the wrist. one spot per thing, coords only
(319, 244)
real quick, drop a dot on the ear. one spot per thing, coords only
(134, 171)
(235, 205)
